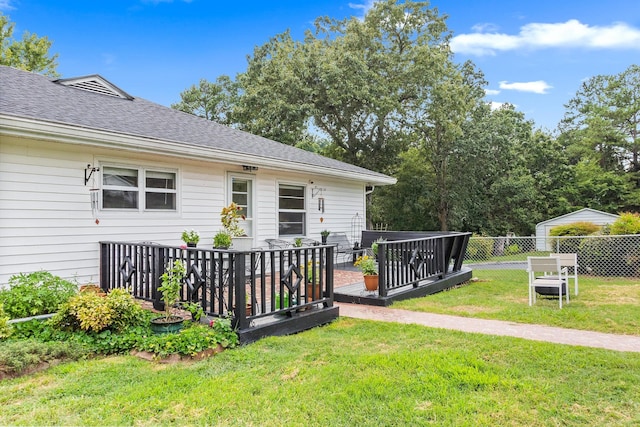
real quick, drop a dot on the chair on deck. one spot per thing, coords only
(278, 244)
(342, 244)
(552, 282)
(569, 261)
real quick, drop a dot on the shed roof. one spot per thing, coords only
(30, 100)
(583, 210)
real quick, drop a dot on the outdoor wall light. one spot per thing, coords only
(249, 168)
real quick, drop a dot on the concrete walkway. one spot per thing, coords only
(495, 327)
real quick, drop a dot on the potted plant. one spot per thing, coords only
(170, 289)
(191, 238)
(374, 246)
(314, 290)
(297, 242)
(222, 240)
(369, 269)
(324, 234)
(230, 217)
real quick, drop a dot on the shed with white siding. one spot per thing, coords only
(583, 215)
(82, 161)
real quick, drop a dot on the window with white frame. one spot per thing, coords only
(138, 189)
(291, 210)
(242, 195)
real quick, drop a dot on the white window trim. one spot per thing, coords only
(251, 231)
(141, 188)
(305, 210)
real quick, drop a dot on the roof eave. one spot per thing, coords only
(58, 132)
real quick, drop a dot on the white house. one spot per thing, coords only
(81, 161)
(583, 215)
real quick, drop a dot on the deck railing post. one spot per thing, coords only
(239, 283)
(382, 269)
(157, 271)
(104, 267)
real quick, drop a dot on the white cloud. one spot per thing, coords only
(6, 5)
(572, 33)
(364, 7)
(498, 105)
(491, 91)
(485, 27)
(539, 86)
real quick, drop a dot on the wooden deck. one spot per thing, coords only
(353, 291)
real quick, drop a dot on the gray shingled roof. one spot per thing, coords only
(33, 96)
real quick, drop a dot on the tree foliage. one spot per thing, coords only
(385, 93)
(31, 53)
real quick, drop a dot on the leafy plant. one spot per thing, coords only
(191, 340)
(35, 293)
(190, 236)
(297, 242)
(96, 311)
(230, 217)
(580, 228)
(367, 265)
(194, 308)
(325, 233)
(628, 223)
(374, 245)
(5, 328)
(222, 240)
(171, 286)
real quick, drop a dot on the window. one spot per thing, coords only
(242, 195)
(291, 210)
(122, 189)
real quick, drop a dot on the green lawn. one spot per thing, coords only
(350, 373)
(603, 304)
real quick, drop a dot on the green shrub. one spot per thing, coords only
(191, 340)
(95, 312)
(16, 356)
(479, 249)
(35, 293)
(513, 249)
(5, 328)
(581, 228)
(607, 257)
(628, 223)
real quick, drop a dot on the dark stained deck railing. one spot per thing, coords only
(410, 259)
(252, 287)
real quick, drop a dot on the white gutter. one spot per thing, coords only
(56, 132)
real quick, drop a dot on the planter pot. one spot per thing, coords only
(192, 245)
(241, 243)
(311, 295)
(371, 282)
(324, 239)
(163, 325)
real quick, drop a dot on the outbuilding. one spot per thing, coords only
(583, 215)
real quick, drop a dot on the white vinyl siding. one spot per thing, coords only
(47, 222)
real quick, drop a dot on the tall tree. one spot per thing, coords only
(212, 101)
(31, 53)
(603, 120)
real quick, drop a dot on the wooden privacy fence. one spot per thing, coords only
(264, 291)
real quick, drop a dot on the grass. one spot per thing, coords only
(351, 372)
(603, 304)
(521, 256)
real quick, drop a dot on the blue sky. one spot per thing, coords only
(534, 54)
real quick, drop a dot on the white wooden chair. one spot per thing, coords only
(569, 261)
(554, 277)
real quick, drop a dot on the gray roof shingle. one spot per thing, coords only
(33, 96)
